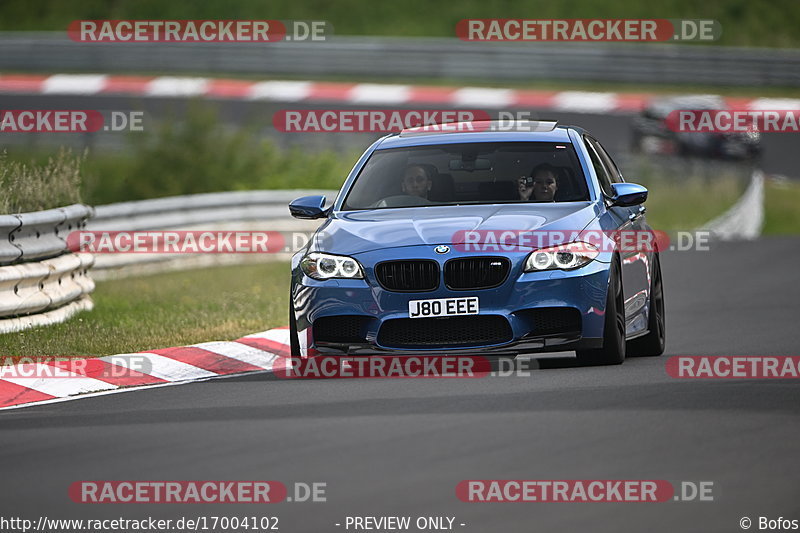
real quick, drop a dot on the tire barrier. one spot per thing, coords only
(41, 282)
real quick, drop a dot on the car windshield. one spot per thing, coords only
(469, 173)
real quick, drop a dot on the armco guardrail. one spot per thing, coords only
(41, 282)
(43, 234)
(189, 210)
(415, 57)
(236, 210)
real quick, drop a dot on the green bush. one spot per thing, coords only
(191, 155)
(197, 154)
(686, 193)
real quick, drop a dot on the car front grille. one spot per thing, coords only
(408, 276)
(343, 329)
(467, 273)
(462, 331)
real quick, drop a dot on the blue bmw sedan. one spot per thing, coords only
(487, 241)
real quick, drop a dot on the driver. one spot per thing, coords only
(540, 186)
(417, 181)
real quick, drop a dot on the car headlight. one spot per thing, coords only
(562, 257)
(326, 266)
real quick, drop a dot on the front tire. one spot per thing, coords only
(294, 342)
(653, 344)
(613, 350)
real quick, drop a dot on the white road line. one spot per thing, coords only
(379, 93)
(585, 101)
(158, 366)
(241, 352)
(776, 104)
(121, 390)
(276, 335)
(74, 84)
(482, 97)
(60, 386)
(281, 91)
(177, 86)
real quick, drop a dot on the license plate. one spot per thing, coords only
(443, 307)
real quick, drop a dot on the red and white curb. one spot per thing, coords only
(366, 94)
(259, 352)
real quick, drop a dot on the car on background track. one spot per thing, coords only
(651, 134)
(406, 261)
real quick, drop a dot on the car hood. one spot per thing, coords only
(353, 232)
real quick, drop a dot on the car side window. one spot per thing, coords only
(615, 174)
(599, 168)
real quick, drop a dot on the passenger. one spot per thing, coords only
(540, 186)
(417, 181)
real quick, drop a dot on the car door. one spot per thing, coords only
(635, 263)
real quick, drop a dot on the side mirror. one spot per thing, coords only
(308, 207)
(628, 194)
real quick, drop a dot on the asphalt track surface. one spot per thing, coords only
(399, 447)
(613, 130)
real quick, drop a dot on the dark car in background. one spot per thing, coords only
(652, 135)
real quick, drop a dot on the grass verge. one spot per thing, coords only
(685, 194)
(31, 186)
(781, 207)
(689, 203)
(164, 310)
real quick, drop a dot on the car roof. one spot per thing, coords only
(664, 105)
(557, 134)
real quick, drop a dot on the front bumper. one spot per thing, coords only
(583, 290)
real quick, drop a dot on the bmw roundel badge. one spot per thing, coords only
(442, 249)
